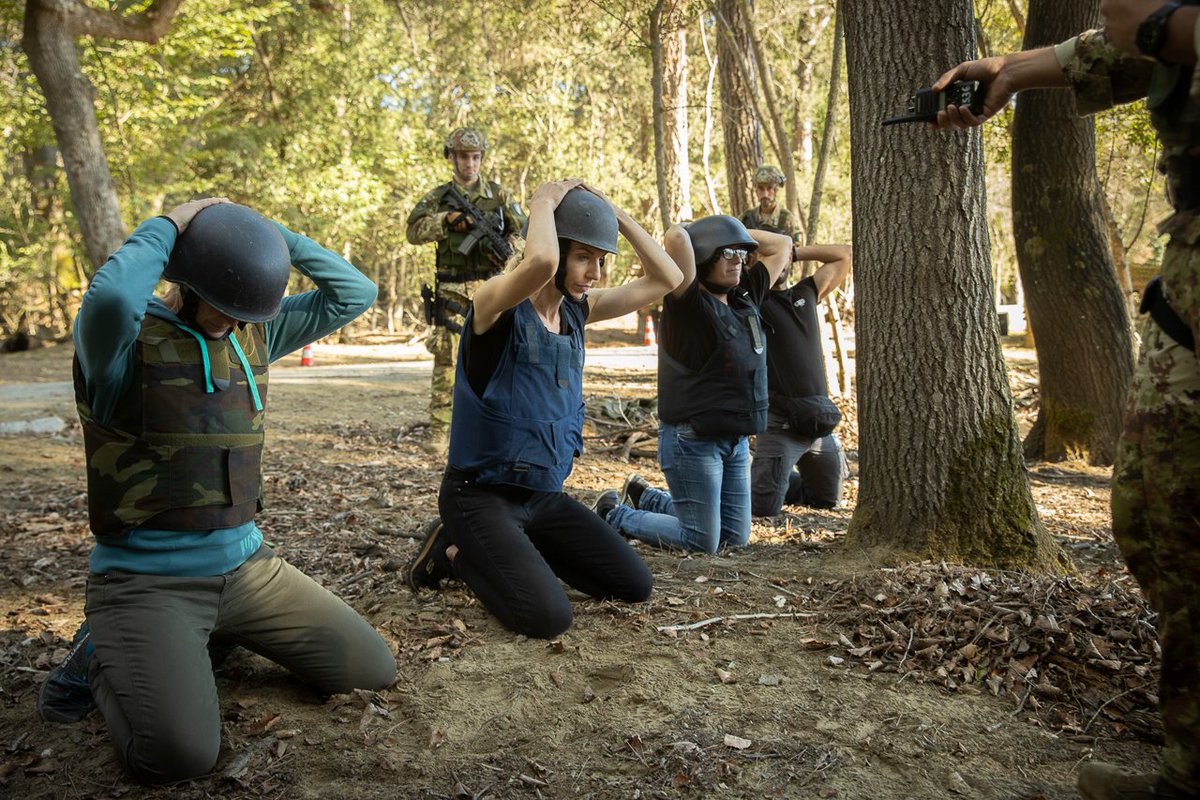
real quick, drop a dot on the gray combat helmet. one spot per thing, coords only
(235, 260)
(710, 234)
(586, 218)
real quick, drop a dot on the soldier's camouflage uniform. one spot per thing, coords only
(779, 221)
(457, 277)
(1156, 479)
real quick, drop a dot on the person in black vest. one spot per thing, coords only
(712, 390)
(510, 532)
(798, 459)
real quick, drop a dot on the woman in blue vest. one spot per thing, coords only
(712, 390)
(172, 398)
(510, 532)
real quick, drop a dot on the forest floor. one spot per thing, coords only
(792, 668)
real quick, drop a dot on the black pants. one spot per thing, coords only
(515, 544)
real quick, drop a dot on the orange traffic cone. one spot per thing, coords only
(306, 356)
(649, 339)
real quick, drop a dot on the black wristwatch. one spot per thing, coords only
(1152, 32)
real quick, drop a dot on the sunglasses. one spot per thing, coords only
(731, 253)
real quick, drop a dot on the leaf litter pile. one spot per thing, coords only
(1068, 654)
(740, 676)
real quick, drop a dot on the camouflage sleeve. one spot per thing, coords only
(426, 224)
(1100, 75)
(514, 216)
(788, 224)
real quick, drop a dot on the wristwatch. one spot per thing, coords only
(1152, 32)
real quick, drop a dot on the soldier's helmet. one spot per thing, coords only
(464, 139)
(235, 259)
(768, 173)
(710, 235)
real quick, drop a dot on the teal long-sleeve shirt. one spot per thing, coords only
(105, 334)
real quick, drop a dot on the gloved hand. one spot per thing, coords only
(459, 221)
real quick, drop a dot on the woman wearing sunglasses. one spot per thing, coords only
(712, 390)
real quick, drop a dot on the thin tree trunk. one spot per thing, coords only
(657, 80)
(835, 82)
(740, 121)
(713, 203)
(51, 27)
(1073, 298)
(675, 123)
(940, 460)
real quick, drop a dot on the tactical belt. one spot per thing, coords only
(446, 276)
(1164, 316)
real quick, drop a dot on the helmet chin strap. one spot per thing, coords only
(560, 281)
(714, 288)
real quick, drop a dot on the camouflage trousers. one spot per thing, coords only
(1156, 510)
(443, 344)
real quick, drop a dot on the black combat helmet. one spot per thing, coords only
(710, 234)
(586, 218)
(235, 259)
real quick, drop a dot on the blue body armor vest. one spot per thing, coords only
(527, 427)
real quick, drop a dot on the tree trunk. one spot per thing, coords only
(1073, 298)
(49, 41)
(713, 203)
(941, 473)
(835, 82)
(675, 121)
(743, 148)
(657, 86)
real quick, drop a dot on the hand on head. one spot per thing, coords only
(555, 191)
(183, 214)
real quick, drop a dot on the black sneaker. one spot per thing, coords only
(605, 503)
(430, 565)
(631, 491)
(65, 697)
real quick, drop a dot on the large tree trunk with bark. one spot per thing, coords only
(1072, 293)
(743, 147)
(49, 41)
(941, 473)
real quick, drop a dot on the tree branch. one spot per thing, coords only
(147, 26)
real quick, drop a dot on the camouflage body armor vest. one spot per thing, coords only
(455, 267)
(183, 450)
(1176, 118)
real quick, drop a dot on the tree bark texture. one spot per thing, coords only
(49, 41)
(1072, 294)
(740, 124)
(657, 88)
(675, 122)
(941, 473)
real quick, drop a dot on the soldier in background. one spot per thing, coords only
(436, 218)
(1146, 49)
(770, 215)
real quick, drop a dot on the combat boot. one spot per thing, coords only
(430, 565)
(1098, 781)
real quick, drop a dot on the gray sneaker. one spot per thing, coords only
(605, 503)
(66, 697)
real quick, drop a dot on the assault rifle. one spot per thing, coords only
(483, 226)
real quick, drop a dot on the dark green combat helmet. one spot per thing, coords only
(769, 173)
(235, 260)
(710, 235)
(464, 139)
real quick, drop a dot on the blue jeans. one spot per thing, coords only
(708, 506)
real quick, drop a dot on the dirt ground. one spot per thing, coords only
(789, 669)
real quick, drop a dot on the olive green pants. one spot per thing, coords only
(152, 677)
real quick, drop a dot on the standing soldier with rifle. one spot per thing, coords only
(470, 219)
